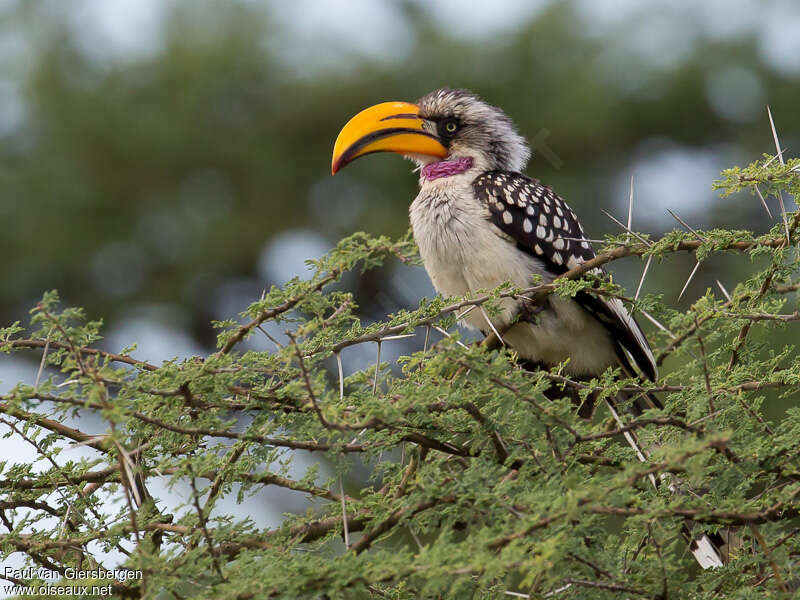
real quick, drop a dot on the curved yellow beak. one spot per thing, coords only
(385, 127)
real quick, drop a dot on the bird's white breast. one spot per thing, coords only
(464, 252)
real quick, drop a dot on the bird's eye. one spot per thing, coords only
(450, 126)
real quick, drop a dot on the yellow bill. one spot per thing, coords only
(385, 127)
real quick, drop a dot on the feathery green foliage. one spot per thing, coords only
(480, 487)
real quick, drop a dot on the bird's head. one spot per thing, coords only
(452, 129)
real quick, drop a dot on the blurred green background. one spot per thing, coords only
(161, 162)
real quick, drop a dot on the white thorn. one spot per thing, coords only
(92, 440)
(127, 465)
(416, 539)
(724, 291)
(655, 322)
(344, 514)
(377, 369)
(685, 285)
(771, 160)
(466, 312)
(640, 238)
(763, 202)
(780, 158)
(398, 337)
(582, 239)
(447, 334)
(631, 441)
(43, 361)
(630, 206)
(563, 588)
(64, 522)
(641, 281)
(360, 433)
(686, 225)
(775, 136)
(785, 222)
(341, 375)
(489, 321)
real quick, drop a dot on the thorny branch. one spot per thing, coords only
(479, 442)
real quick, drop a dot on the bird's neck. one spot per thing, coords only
(446, 168)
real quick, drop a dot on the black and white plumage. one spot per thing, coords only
(479, 223)
(489, 224)
(535, 216)
(541, 224)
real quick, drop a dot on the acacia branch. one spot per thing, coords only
(368, 538)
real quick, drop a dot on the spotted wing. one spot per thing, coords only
(544, 226)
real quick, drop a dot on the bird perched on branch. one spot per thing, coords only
(479, 222)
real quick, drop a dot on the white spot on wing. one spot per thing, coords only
(540, 232)
(526, 225)
(507, 218)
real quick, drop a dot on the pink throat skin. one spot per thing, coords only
(446, 168)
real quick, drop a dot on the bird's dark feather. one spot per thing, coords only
(544, 226)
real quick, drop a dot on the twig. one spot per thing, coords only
(366, 540)
(284, 307)
(216, 485)
(204, 525)
(612, 587)
(711, 408)
(664, 580)
(765, 548)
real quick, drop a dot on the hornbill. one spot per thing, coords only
(479, 222)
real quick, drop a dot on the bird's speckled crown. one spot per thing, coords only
(486, 128)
